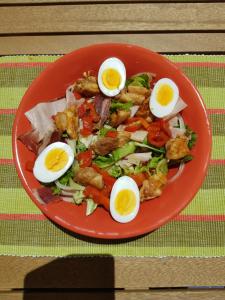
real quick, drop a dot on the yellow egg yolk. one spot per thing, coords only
(164, 94)
(56, 159)
(125, 202)
(111, 78)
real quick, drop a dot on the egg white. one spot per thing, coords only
(156, 108)
(42, 173)
(118, 65)
(124, 182)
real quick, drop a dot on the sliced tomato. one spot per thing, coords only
(85, 158)
(158, 133)
(111, 133)
(138, 178)
(97, 196)
(85, 132)
(133, 127)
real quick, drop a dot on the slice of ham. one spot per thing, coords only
(45, 196)
(102, 106)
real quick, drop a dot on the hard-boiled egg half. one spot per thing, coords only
(164, 97)
(112, 76)
(53, 162)
(124, 200)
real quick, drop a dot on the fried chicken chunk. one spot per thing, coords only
(87, 86)
(119, 117)
(105, 145)
(67, 121)
(153, 186)
(88, 176)
(123, 137)
(177, 148)
(144, 111)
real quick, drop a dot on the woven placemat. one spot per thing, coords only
(199, 231)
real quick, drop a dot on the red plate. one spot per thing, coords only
(53, 82)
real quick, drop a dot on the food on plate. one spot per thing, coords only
(110, 141)
(112, 76)
(53, 162)
(124, 199)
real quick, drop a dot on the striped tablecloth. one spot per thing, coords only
(199, 231)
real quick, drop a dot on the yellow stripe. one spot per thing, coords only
(10, 97)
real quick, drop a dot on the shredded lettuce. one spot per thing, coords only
(91, 206)
(56, 190)
(139, 80)
(78, 197)
(75, 185)
(123, 151)
(119, 105)
(103, 131)
(80, 147)
(104, 161)
(66, 177)
(115, 171)
(159, 150)
(192, 137)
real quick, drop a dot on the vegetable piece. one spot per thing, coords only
(160, 150)
(97, 196)
(85, 158)
(138, 178)
(103, 131)
(115, 171)
(139, 135)
(139, 80)
(192, 137)
(72, 144)
(91, 206)
(154, 162)
(104, 161)
(80, 147)
(108, 180)
(158, 133)
(56, 190)
(119, 105)
(78, 197)
(111, 133)
(123, 151)
(64, 180)
(162, 167)
(75, 186)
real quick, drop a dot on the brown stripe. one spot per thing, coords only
(174, 234)
(213, 180)
(6, 123)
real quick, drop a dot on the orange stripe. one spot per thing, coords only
(181, 218)
(219, 111)
(6, 161)
(8, 111)
(36, 217)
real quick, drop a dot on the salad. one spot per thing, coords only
(110, 141)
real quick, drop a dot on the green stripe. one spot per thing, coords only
(217, 124)
(174, 234)
(131, 251)
(28, 58)
(18, 77)
(207, 202)
(5, 147)
(206, 76)
(9, 177)
(10, 97)
(16, 201)
(213, 180)
(196, 58)
(6, 123)
(212, 97)
(218, 151)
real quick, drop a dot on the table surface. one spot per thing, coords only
(58, 27)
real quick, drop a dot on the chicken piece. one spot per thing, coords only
(88, 176)
(153, 186)
(87, 85)
(119, 117)
(140, 90)
(67, 121)
(177, 148)
(123, 137)
(105, 145)
(144, 111)
(125, 97)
